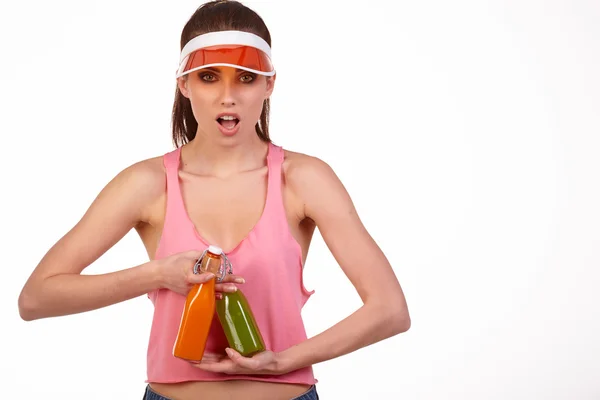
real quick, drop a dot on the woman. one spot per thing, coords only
(225, 184)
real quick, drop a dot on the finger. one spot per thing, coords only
(193, 254)
(226, 367)
(240, 360)
(233, 278)
(212, 358)
(225, 287)
(200, 278)
(210, 367)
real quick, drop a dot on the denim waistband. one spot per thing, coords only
(310, 394)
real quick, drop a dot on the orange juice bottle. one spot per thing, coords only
(199, 310)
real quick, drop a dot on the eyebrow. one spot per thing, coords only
(218, 70)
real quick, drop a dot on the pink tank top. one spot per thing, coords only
(269, 259)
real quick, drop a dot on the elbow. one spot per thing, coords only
(399, 321)
(27, 306)
(394, 320)
(402, 322)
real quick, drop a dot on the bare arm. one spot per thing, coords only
(56, 286)
(384, 312)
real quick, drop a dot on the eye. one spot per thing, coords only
(247, 78)
(206, 76)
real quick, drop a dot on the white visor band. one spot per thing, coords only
(236, 49)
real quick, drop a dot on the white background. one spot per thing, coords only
(467, 133)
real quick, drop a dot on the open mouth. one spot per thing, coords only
(228, 122)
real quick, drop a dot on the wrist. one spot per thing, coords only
(155, 271)
(283, 363)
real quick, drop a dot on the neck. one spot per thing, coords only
(215, 158)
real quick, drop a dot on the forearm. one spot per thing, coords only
(368, 325)
(66, 294)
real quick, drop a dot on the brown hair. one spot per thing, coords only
(217, 15)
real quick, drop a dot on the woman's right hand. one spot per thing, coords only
(176, 273)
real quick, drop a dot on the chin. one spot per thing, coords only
(236, 138)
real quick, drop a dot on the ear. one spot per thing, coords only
(182, 84)
(270, 85)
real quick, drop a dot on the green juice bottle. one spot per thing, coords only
(239, 324)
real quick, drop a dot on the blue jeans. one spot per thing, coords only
(310, 394)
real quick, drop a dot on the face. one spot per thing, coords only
(233, 94)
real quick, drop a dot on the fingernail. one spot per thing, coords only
(239, 280)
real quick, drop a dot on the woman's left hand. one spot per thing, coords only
(265, 362)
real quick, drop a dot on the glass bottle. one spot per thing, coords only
(199, 310)
(238, 322)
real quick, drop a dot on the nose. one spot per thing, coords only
(228, 93)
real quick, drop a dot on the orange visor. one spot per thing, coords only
(236, 49)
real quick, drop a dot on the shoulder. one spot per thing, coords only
(313, 181)
(139, 186)
(302, 171)
(145, 176)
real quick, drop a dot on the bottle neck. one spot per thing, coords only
(211, 263)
